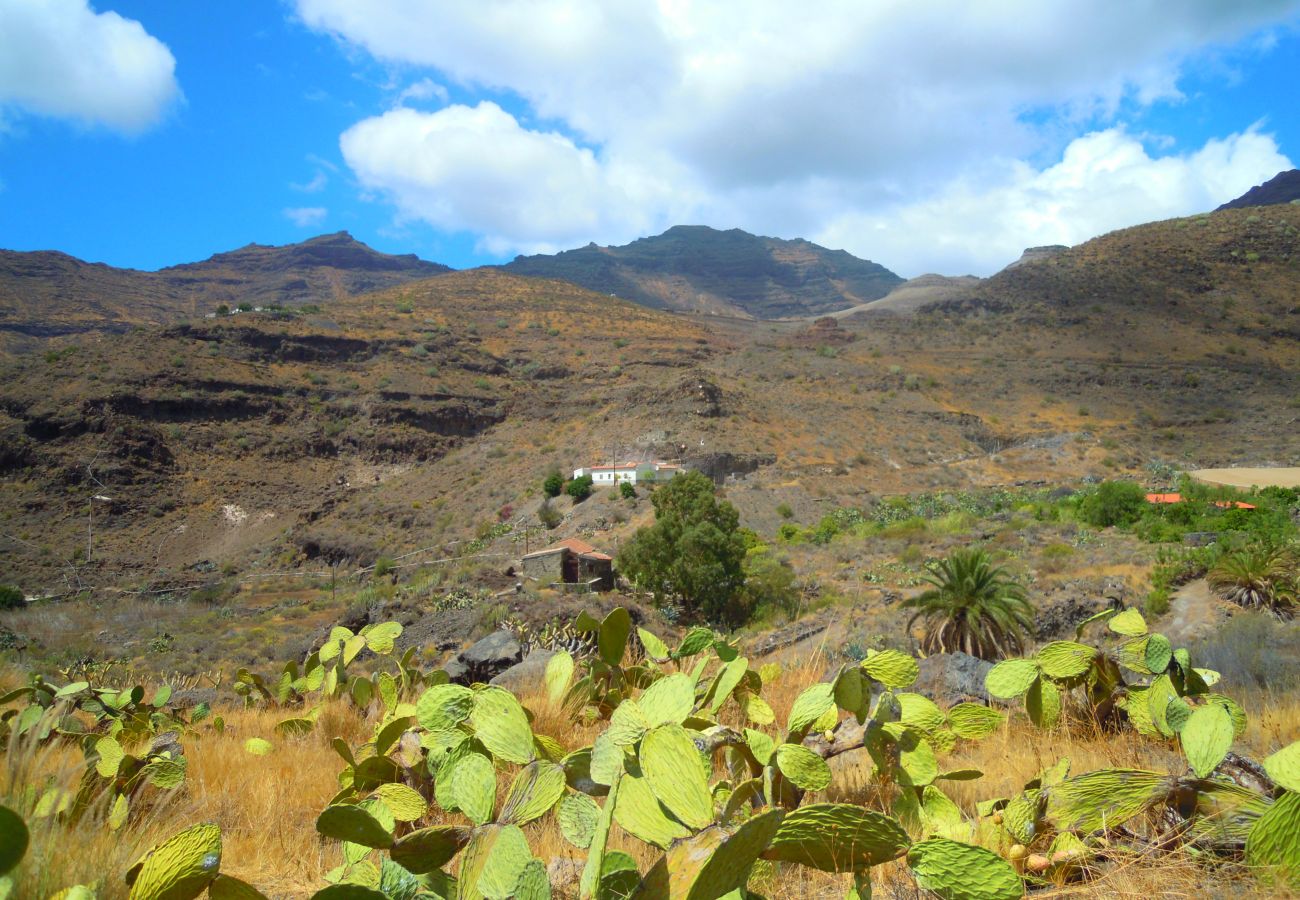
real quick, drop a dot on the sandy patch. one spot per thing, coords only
(1245, 478)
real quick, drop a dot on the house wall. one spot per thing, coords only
(601, 569)
(547, 568)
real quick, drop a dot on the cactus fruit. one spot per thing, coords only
(970, 720)
(474, 787)
(1010, 678)
(804, 768)
(502, 725)
(668, 701)
(1104, 799)
(1206, 738)
(1065, 659)
(429, 848)
(639, 813)
(14, 838)
(180, 868)
(675, 773)
(1283, 767)
(537, 788)
(837, 837)
(957, 871)
(1274, 842)
(345, 822)
(892, 668)
(577, 815)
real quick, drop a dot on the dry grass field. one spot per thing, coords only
(1287, 477)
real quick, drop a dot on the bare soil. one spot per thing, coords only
(1288, 477)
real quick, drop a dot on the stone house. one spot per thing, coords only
(571, 561)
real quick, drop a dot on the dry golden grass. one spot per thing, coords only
(267, 805)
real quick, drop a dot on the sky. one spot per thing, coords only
(926, 135)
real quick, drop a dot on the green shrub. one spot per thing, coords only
(579, 488)
(11, 597)
(784, 511)
(384, 566)
(553, 484)
(548, 515)
(1113, 503)
(626, 490)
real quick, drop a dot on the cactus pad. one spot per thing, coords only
(606, 760)
(577, 815)
(224, 887)
(537, 788)
(810, 705)
(1104, 799)
(506, 860)
(403, 802)
(559, 672)
(14, 838)
(502, 725)
(756, 709)
(1206, 738)
(957, 871)
(711, 864)
(627, 724)
(1128, 623)
(1274, 842)
(675, 773)
(892, 668)
(612, 636)
(444, 706)
(639, 813)
(1065, 659)
(919, 712)
(972, 720)
(429, 848)
(804, 768)
(181, 867)
(380, 637)
(345, 822)
(837, 837)
(474, 787)
(1283, 767)
(1159, 652)
(1043, 703)
(1010, 678)
(668, 701)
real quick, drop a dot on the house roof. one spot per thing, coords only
(626, 465)
(1178, 498)
(573, 545)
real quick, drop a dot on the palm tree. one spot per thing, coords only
(973, 606)
(1261, 575)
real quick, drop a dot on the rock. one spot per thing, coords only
(527, 675)
(486, 659)
(188, 698)
(948, 678)
(564, 874)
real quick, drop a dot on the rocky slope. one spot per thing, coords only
(1281, 188)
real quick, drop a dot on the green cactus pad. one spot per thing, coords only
(444, 706)
(1283, 767)
(639, 813)
(295, 727)
(14, 838)
(345, 822)
(349, 892)
(673, 768)
(1020, 815)
(577, 815)
(111, 755)
(1065, 659)
(892, 668)
(502, 725)
(1225, 813)
(429, 848)
(1207, 738)
(1138, 707)
(1159, 652)
(668, 701)
(506, 860)
(810, 705)
(837, 837)
(728, 677)
(606, 760)
(227, 887)
(403, 802)
(181, 867)
(380, 637)
(1159, 696)
(756, 709)
(1104, 799)
(538, 787)
(1128, 623)
(919, 712)
(591, 872)
(1234, 709)
(711, 864)
(533, 883)
(697, 640)
(851, 690)
(941, 815)
(1177, 712)
(627, 725)
(957, 871)
(612, 636)
(973, 720)
(760, 744)
(559, 672)
(1010, 678)
(804, 768)
(916, 758)
(655, 648)
(1273, 846)
(474, 787)
(1043, 703)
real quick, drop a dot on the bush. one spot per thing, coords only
(548, 515)
(553, 484)
(11, 597)
(384, 566)
(579, 488)
(1113, 503)
(784, 511)
(626, 490)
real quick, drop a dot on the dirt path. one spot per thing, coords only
(1194, 611)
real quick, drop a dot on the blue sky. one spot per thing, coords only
(926, 136)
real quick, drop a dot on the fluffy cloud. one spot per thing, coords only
(60, 58)
(306, 216)
(767, 117)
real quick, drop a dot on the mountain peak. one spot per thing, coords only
(1284, 187)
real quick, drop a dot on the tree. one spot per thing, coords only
(1260, 575)
(1113, 503)
(626, 490)
(693, 553)
(553, 484)
(973, 606)
(11, 597)
(579, 488)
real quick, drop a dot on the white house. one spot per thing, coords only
(631, 472)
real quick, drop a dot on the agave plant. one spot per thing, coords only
(973, 606)
(1260, 575)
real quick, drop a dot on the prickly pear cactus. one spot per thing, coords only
(1274, 842)
(676, 775)
(957, 871)
(1284, 767)
(1104, 799)
(713, 863)
(1206, 737)
(13, 838)
(837, 837)
(181, 867)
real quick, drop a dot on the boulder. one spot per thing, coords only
(486, 659)
(527, 675)
(948, 678)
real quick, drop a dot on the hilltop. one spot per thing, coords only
(1284, 187)
(734, 273)
(46, 294)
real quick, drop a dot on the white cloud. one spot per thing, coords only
(314, 186)
(306, 216)
(62, 59)
(766, 116)
(424, 89)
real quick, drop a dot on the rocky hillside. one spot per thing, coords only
(1281, 188)
(701, 269)
(48, 294)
